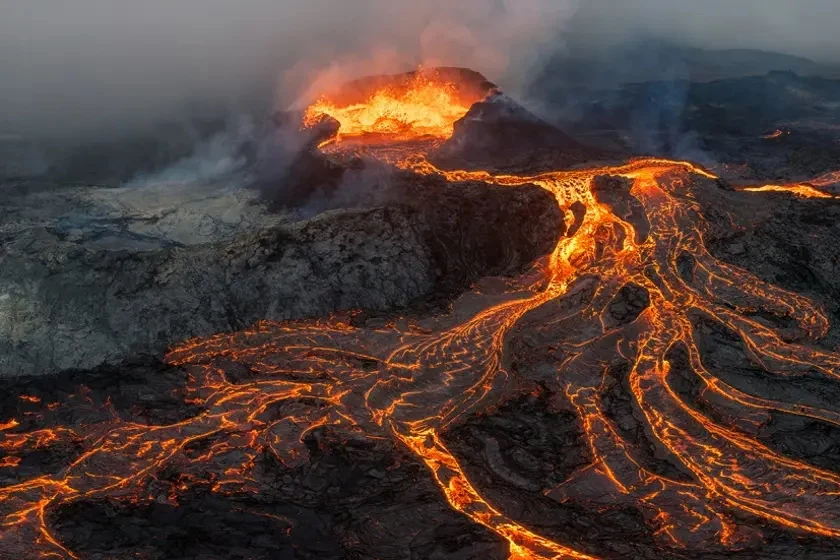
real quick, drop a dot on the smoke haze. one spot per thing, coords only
(94, 66)
(100, 67)
(802, 27)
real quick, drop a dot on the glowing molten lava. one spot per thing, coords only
(778, 133)
(316, 374)
(424, 107)
(803, 191)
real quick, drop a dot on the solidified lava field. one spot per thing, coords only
(660, 381)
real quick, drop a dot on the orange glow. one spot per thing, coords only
(8, 462)
(411, 384)
(776, 134)
(425, 107)
(826, 180)
(803, 191)
(807, 189)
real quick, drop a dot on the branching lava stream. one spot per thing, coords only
(410, 383)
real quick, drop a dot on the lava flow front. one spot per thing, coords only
(411, 384)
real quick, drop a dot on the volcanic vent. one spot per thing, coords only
(411, 106)
(461, 118)
(580, 409)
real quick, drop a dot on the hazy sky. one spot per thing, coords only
(802, 27)
(74, 66)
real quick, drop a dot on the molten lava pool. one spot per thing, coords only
(418, 105)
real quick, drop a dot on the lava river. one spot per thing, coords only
(412, 381)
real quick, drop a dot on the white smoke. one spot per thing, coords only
(219, 155)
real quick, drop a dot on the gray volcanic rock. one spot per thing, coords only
(471, 228)
(134, 217)
(498, 133)
(74, 305)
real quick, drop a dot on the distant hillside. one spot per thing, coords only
(648, 61)
(780, 123)
(705, 65)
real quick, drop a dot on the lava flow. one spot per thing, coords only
(410, 383)
(796, 189)
(810, 189)
(778, 133)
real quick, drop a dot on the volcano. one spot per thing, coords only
(466, 120)
(523, 347)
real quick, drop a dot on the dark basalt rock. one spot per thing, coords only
(615, 193)
(142, 390)
(498, 133)
(289, 169)
(468, 227)
(784, 240)
(629, 304)
(353, 499)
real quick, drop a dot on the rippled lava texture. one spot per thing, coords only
(632, 395)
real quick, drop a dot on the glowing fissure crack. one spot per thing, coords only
(425, 380)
